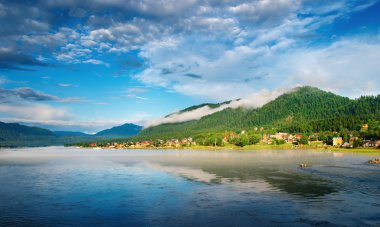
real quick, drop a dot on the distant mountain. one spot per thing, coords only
(17, 135)
(11, 130)
(70, 133)
(305, 109)
(126, 130)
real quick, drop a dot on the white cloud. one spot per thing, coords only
(348, 67)
(65, 85)
(102, 34)
(95, 62)
(257, 99)
(134, 90)
(265, 11)
(254, 100)
(33, 112)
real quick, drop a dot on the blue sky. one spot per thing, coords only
(89, 65)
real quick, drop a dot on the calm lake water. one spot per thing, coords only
(83, 187)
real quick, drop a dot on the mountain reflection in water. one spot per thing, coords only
(71, 186)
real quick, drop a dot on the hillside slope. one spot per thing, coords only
(11, 130)
(305, 109)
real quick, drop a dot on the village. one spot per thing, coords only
(244, 138)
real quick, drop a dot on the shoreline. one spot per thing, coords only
(360, 150)
(370, 151)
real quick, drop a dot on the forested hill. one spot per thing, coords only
(17, 135)
(305, 109)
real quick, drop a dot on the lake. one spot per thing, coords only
(83, 187)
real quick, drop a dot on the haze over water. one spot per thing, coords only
(69, 186)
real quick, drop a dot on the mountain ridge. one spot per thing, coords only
(125, 130)
(18, 135)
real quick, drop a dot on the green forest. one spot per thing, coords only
(305, 110)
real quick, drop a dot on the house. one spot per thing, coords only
(369, 143)
(187, 141)
(172, 143)
(92, 145)
(346, 145)
(282, 136)
(337, 141)
(229, 135)
(291, 138)
(298, 136)
(272, 136)
(145, 143)
(265, 139)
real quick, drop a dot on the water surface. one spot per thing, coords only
(70, 186)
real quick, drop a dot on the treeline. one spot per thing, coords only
(16, 135)
(41, 141)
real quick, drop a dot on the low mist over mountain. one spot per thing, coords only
(70, 133)
(255, 100)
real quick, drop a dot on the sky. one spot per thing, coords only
(93, 64)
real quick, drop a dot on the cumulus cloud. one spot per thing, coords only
(347, 66)
(264, 12)
(254, 100)
(120, 26)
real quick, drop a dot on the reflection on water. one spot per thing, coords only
(68, 186)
